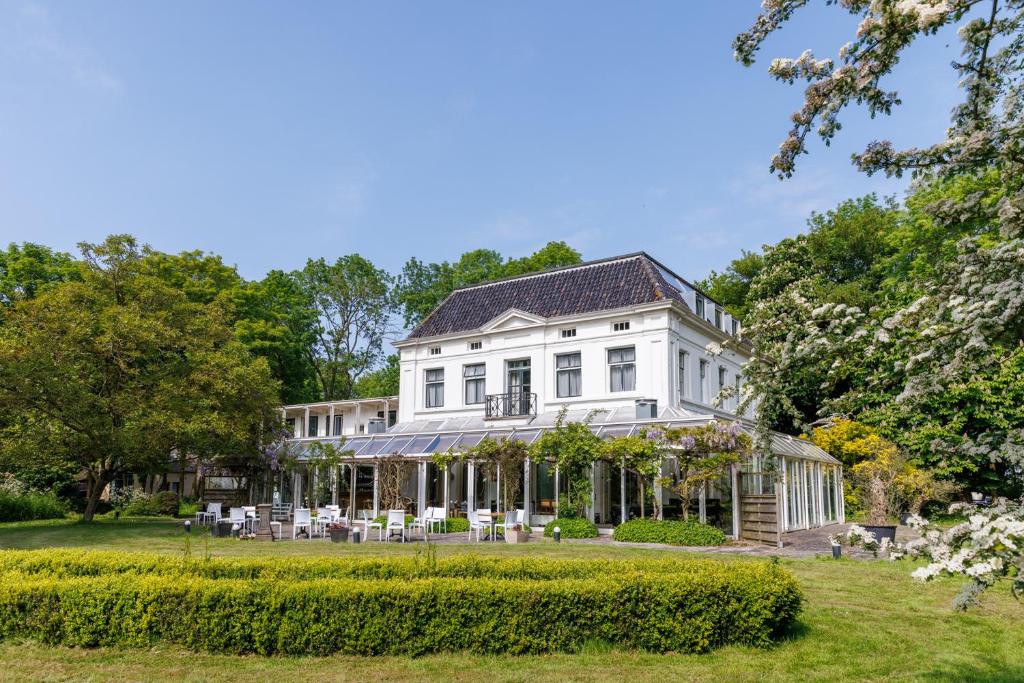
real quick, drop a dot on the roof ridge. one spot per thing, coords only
(645, 266)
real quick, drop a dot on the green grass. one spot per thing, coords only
(864, 620)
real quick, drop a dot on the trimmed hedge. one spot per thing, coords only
(673, 532)
(515, 606)
(571, 527)
(27, 506)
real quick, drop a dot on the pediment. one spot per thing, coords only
(512, 319)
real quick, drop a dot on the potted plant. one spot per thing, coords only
(878, 485)
(338, 532)
(517, 534)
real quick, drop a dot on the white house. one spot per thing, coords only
(623, 340)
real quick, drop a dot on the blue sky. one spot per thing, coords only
(273, 132)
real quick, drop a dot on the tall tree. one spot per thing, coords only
(353, 302)
(380, 382)
(119, 371)
(27, 269)
(421, 287)
(967, 318)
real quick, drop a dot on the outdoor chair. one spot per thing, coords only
(513, 520)
(438, 519)
(396, 522)
(237, 516)
(211, 515)
(250, 515)
(324, 516)
(302, 521)
(475, 525)
(368, 523)
(281, 512)
(421, 522)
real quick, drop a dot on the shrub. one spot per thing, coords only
(20, 507)
(142, 505)
(166, 503)
(673, 532)
(457, 525)
(393, 606)
(571, 527)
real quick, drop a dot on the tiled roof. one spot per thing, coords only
(595, 286)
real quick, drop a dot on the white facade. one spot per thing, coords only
(340, 418)
(668, 346)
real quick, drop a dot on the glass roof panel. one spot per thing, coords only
(446, 442)
(424, 443)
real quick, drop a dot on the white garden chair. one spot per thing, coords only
(211, 515)
(324, 516)
(237, 516)
(421, 522)
(438, 519)
(476, 525)
(302, 521)
(513, 520)
(396, 522)
(368, 524)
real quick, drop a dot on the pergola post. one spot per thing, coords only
(376, 490)
(352, 493)
(557, 496)
(330, 422)
(497, 486)
(447, 500)
(526, 491)
(470, 487)
(622, 492)
(421, 488)
(305, 423)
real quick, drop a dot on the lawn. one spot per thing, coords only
(863, 620)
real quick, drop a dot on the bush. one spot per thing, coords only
(21, 507)
(142, 505)
(457, 525)
(409, 606)
(571, 527)
(166, 503)
(673, 532)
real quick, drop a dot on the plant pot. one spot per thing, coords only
(516, 536)
(837, 552)
(338, 535)
(221, 529)
(882, 531)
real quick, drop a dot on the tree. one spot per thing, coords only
(732, 286)
(421, 287)
(353, 302)
(119, 371)
(27, 270)
(495, 458)
(380, 382)
(573, 447)
(965, 317)
(703, 453)
(640, 455)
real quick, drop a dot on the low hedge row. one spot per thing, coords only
(574, 527)
(90, 563)
(748, 603)
(674, 532)
(15, 507)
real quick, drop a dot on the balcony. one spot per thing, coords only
(512, 404)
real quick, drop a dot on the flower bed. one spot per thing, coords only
(673, 532)
(391, 605)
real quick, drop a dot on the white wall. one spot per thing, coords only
(656, 332)
(355, 416)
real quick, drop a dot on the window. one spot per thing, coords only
(700, 307)
(311, 428)
(622, 369)
(474, 379)
(684, 359)
(735, 327)
(339, 425)
(718, 317)
(738, 383)
(568, 333)
(435, 350)
(568, 375)
(620, 326)
(290, 424)
(722, 376)
(475, 345)
(435, 388)
(703, 381)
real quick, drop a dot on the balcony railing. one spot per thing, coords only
(514, 404)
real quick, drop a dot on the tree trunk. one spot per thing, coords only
(96, 486)
(686, 501)
(641, 497)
